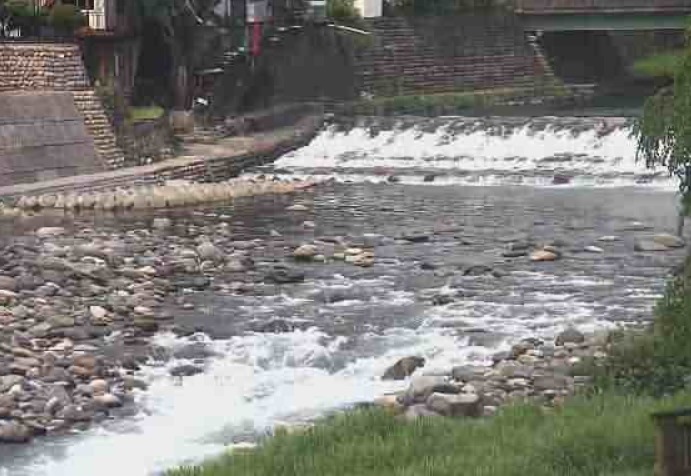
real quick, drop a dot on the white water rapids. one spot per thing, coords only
(460, 151)
(260, 380)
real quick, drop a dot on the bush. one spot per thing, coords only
(343, 11)
(663, 65)
(657, 361)
(66, 18)
(23, 15)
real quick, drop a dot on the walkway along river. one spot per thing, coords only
(439, 202)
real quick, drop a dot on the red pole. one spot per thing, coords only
(256, 38)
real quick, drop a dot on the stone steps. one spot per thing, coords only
(448, 54)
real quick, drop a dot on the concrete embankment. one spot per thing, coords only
(138, 187)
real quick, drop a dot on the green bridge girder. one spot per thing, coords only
(577, 21)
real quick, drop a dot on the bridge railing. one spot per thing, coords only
(556, 6)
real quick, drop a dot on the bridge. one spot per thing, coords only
(580, 15)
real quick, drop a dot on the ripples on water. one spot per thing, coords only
(353, 323)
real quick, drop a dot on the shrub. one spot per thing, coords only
(662, 65)
(24, 16)
(656, 361)
(342, 11)
(66, 18)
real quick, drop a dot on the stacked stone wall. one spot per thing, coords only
(444, 54)
(41, 67)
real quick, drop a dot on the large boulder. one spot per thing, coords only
(455, 405)
(403, 368)
(544, 255)
(670, 241)
(570, 335)
(423, 386)
(641, 244)
(12, 432)
(305, 252)
(207, 251)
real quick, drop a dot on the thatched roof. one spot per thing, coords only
(43, 136)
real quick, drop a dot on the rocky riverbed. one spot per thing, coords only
(78, 306)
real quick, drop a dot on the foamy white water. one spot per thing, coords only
(257, 382)
(469, 151)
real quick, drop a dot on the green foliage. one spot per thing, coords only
(661, 65)
(443, 103)
(343, 11)
(66, 18)
(143, 114)
(442, 7)
(658, 361)
(664, 129)
(603, 435)
(21, 14)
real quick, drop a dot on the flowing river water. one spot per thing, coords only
(470, 187)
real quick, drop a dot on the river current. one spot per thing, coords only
(470, 186)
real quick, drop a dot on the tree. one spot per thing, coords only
(182, 23)
(664, 131)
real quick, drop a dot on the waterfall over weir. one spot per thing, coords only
(542, 151)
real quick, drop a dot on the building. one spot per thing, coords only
(110, 44)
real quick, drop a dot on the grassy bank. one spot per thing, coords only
(604, 435)
(661, 65)
(448, 103)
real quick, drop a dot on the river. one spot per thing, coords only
(435, 196)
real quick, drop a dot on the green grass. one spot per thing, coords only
(662, 65)
(444, 103)
(597, 436)
(145, 113)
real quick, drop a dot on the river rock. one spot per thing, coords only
(420, 410)
(423, 386)
(543, 255)
(403, 368)
(161, 223)
(570, 335)
(455, 405)
(13, 432)
(194, 351)
(285, 276)
(98, 386)
(207, 251)
(9, 381)
(297, 208)
(185, 370)
(670, 241)
(107, 400)
(305, 252)
(8, 283)
(275, 326)
(50, 231)
(640, 244)
(593, 249)
(416, 237)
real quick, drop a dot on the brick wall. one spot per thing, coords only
(40, 67)
(442, 54)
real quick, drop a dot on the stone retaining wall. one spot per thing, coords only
(444, 54)
(37, 66)
(40, 67)
(200, 169)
